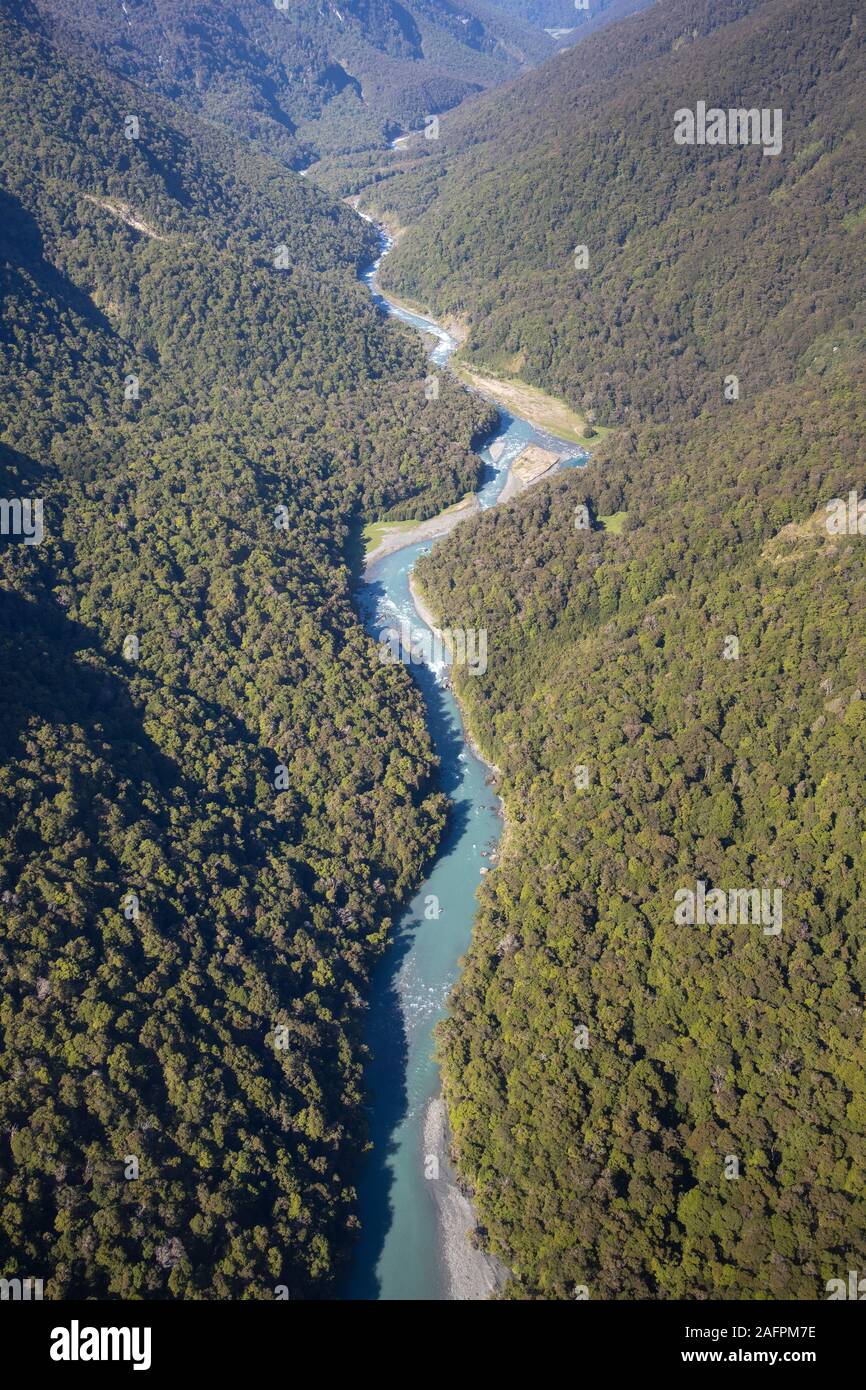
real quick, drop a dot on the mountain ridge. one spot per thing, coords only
(639, 334)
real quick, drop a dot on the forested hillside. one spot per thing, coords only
(302, 78)
(647, 1108)
(701, 262)
(213, 795)
(636, 760)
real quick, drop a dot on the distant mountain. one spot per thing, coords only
(303, 78)
(702, 260)
(581, 17)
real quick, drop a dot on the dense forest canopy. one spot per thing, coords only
(637, 760)
(213, 795)
(649, 1105)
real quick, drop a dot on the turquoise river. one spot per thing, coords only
(414, 1224)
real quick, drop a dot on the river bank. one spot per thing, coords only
(473, 1274)
(390, 537)
(530, 467)
(531, 404)
(425, 613)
